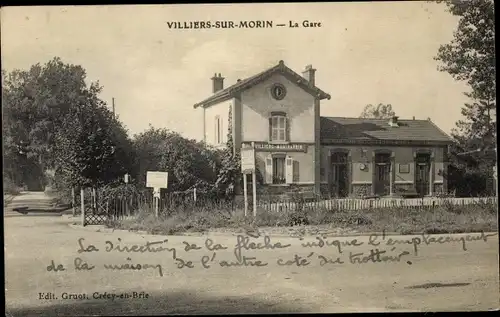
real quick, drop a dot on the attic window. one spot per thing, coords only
(278, 91)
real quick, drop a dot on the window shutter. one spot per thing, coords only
(296, 176)
(221, 132)
(289, 170)
(287, 129)
(270, 128)
(215, 130)
(269, 169)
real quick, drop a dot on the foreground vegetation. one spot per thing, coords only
(443, 219)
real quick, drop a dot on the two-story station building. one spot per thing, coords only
(278, 111)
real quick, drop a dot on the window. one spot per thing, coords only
(278, 91)
(218, 130)
(279, 170)
(278, 128)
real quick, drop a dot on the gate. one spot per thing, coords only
(96, 211)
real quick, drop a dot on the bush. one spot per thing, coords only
(9, 187)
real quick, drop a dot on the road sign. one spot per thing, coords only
(157, 179)
(247, 160)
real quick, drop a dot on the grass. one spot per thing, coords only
(443, 219)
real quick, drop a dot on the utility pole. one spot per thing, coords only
(113, 103)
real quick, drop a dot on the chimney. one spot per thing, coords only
(217, 83)
(393, 122)
(308, 74)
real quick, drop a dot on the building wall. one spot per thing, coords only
(303, 165)
(210, 113)
(257, 104)
(361, 180)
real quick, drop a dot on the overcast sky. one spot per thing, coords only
(367, 52)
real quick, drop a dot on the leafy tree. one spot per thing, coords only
(229, 173)
(470, 57)
(62, 125)
(189, 163)
(378, 112)
(92, 147)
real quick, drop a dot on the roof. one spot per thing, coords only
(254, 80)
(361, 129)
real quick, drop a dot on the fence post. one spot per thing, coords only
(82, 206)
(93, 199)
(73, 200)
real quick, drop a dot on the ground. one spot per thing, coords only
(442, 276)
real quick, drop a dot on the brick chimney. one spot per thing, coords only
(393, 122)
(308, 74)
(217, 83)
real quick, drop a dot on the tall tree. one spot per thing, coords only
(381, 111)
(229, 174)
(58, 119)
(470, 57)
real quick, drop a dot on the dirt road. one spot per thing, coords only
(445, 274)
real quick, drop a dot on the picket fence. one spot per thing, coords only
(363, 204)
(118, 207)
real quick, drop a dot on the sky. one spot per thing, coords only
(364, 53)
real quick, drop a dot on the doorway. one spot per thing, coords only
(422, 171)
(382, 172)
(340, 175)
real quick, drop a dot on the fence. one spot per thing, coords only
(123, 207)
(363, 204)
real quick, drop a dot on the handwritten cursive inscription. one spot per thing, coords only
(147, 247)
(137, 267)
(244, 243)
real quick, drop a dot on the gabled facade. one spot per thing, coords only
(278, 112)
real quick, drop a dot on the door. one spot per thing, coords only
(422, 170)
(382, 171)
(340, 175)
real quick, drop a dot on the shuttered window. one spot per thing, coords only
(281, 169)
(278, 128)
(218, 130)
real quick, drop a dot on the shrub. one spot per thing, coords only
(202, 216)
(9, 187)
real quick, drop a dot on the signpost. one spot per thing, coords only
(247, 167)
(156, 180)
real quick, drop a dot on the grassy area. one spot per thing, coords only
(445, 219)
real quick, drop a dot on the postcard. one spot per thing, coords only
(250, 158)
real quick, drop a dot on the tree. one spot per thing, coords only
(189, 163)
(229, 173)
(61, 124)
(92, 147)
(470, 57)
(379, 112)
